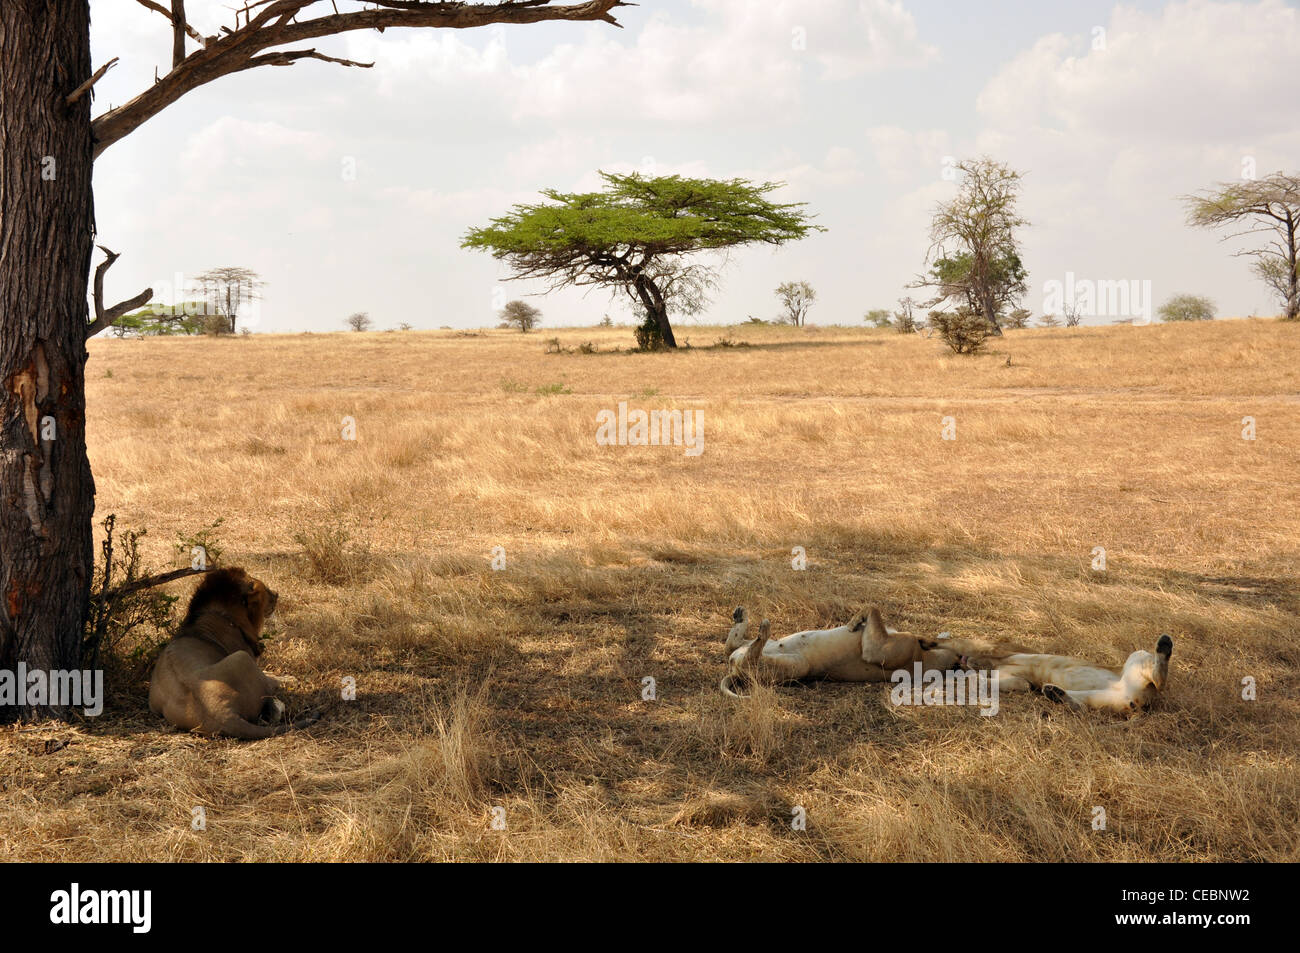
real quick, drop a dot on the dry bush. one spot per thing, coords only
(331, 554)
(963, 330)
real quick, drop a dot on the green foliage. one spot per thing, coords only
(201, 546)
(955, 277)
(1019, 318)
(649, 337)
(123, 629)
(879, 318)
(1187, 308)
(156, 319)
(638, 235)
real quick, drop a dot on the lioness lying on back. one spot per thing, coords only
(207, 678)
(864, 650)
(1081, 684)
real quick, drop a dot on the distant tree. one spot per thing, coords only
(1073, 315)
(904, 319)
(1049, 321)
(1268, 205)
(796, 297)
(1019, 318)
(1187, 308)
(404, 326)
(521, 315)
(638, 236)
(879, 318)
(359, 321)
(974, 253)
(162, 319)
(228, 289)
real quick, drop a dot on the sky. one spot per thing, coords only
(350, 189)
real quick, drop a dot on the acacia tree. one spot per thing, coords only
(1262, 206)
(47, 230)
(638, 237)
(974, 253)
(521, 315)
(359, 321)
(228, 289)
(796, 297)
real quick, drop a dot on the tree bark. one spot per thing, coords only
(655, 304)
(1293, 289)
(46, 235)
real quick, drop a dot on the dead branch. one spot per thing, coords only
(158, 7)
(104, 317)
(149, 582)
(94, 78)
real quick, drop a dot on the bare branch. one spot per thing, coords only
(289, 57)
(104, 317)
(158, 7)
(86, 86)
(149, 582)
(274, 25)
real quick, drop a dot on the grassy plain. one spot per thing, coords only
(521, 689)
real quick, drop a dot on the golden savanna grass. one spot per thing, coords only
(521, 689)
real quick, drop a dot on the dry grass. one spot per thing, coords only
(520, 690)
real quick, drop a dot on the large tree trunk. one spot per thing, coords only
(655, 305)
(1293, 290)
(46, 233)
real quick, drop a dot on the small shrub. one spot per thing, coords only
(1019, 318)
(648, 335)
(1187, 308)
(1049, 321)
(587, 347)
(964, 331)
(214, 324)
(552, 390)
(130, 619)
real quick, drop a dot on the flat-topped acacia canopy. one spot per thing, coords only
(636, 236)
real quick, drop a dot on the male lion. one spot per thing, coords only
(864, 650)
(207, 679)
